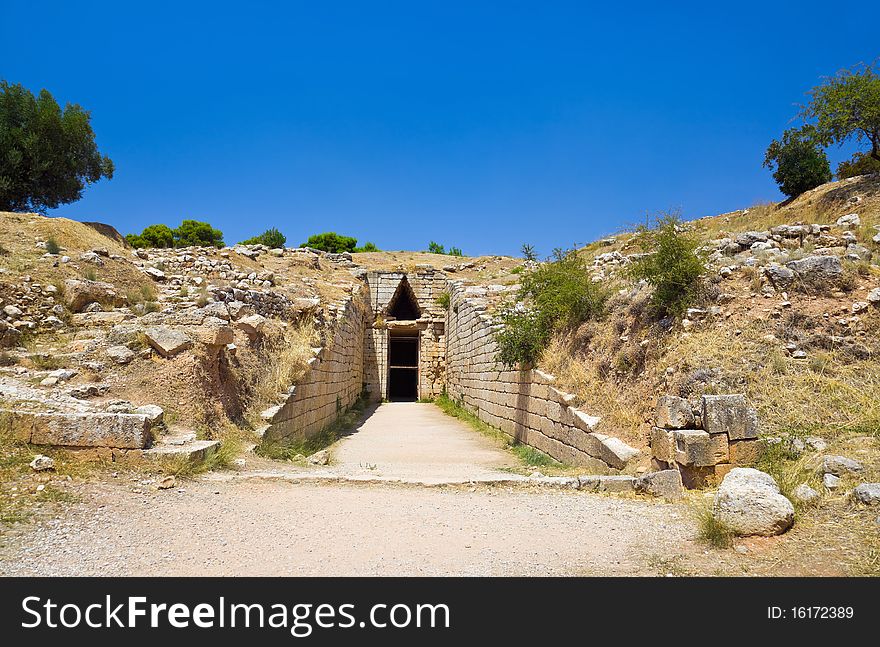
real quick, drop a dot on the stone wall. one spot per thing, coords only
(524, 404)
(704, 441)
(333, 382)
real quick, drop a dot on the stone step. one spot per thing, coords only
(193, 450)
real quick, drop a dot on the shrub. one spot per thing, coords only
(528, 252)
(710, 530)
(800, 164)
(671, 265)
(270, 238)
(331, 242)
(52, 246)
(443, 300)
(437, 248)
(368, 247)
(555, 296)
(859, 164)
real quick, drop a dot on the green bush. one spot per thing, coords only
(859, 164)
(270, 238)
(436, 248)
(800, 164)
(528, 252)
(554, 296)
(443, 300)
(190, 233)
(331, 242)
(52, 246)
(368, 247)
(671, 265)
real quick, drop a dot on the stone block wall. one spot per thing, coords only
(332, 384)
(704, 441)
(524, 404)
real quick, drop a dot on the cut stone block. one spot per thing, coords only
(118, 430)
(673, 413)
(693, 447)
(666, 484)
(662, 444)
(168, 341)
(731, 415)
(745, 452)
(720, 447)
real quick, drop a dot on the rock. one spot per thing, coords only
(321, 457)
(154, 413)
(850, 221)
(168, 341)
(123, 431)
(665, 483)
(838, 465)
(12, 311)
(874, 296)
(154, 273)
(167, 483)
(867, 493)
(252, 325)
(42, 463)
(781, 277)
(49, 381)
(217, 309)
(673, 413)
(815, 443)
(830, 481)
(693, 447)
(120, 354)
(749, 502)
(805, 494)
(731, 415)
(817, 269)
(80, 293)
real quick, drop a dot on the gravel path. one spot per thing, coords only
(277, 528)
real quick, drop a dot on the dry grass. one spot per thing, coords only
(280, 362)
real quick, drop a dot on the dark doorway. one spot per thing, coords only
(403, 366)
(403, 306)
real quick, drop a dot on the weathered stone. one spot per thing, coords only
(154, 413)
(745, 452)
(42, 463)
(252, 325)
(124, 431)
(867, 493)
(154, 273)
(839, 465)
(805, 494)
(673, 413)
(321, 457)
(781, 277)
(749, 502)
(666, 484)
(693, 447)
(120, 354)
(720, 448)
(80, 293)
(817, 269)
(731, 415)
(662, 444)
(217, 309)
(168, 341)
(850, 221)
(617, 483)
(830, 481)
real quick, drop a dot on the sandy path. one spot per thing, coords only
(277, 528)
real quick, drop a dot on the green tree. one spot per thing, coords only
(152, 236)
(528, 252)
(368, 247)
(331, 242)
(436, 248)
(799, 162)
(47, 155)
(671, 264)
(859, 164)
(847, 106)
(270, 238)
(196, 233)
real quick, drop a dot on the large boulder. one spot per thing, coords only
(817, 269)
(749, 503)
(80, 293)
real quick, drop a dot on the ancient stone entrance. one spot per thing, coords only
(403, 365)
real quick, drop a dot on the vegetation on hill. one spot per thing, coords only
(800, 164)
(332, 242)
(270, 238)
(47, 154)
(436, 248)
(860, 164)
(190, 233)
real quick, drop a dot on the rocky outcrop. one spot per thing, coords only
(80, 293)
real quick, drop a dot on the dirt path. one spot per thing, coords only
(277, 528)
(411, 440)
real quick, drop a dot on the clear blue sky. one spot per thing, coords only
(476, 124)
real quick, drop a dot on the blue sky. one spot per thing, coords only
(477, 124)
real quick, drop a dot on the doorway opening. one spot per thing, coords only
(403, 365)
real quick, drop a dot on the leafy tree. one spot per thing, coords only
(859, 164)
(436, 248)
(554, 296)
(671, 264)
(270, 238)
(194, 233)
(47, 155)
(158, 236)
(368, 247)
(847, 105)
(331, 242)
(800, 164)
